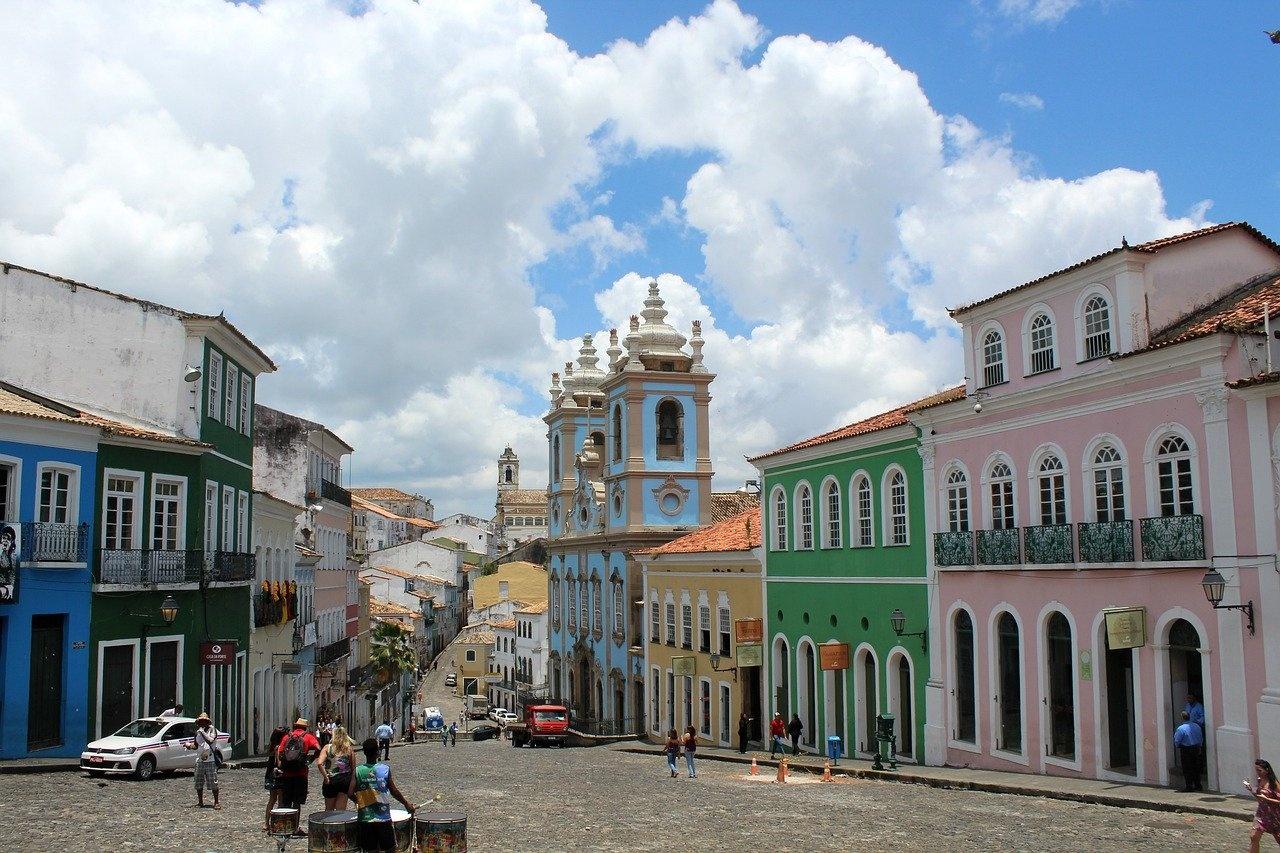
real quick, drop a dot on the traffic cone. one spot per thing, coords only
(826, 770)
(755, 771)
(782, 770)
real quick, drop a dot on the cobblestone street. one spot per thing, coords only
(581, 799)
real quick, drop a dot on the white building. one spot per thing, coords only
(502, 693)
(532, 647)
(475, 534)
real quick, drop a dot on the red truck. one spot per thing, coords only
(542, 724)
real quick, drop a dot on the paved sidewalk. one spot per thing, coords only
(1025, 784)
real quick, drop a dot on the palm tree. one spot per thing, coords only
(391, 651)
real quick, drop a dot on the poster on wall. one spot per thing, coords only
(1126, 627)
(9, 551)
(686, 666)
(748, 630)
(833, 656)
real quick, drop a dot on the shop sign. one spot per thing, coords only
(1126, 627)
(748, 630)
(290, 667)
(218, 652)
(750, 654)
(684, 665)
(833, 656)
(1086, 665)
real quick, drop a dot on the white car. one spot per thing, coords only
(148, 746)
(496, 714)
(505, 717)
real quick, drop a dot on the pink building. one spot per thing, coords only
(1115, 447)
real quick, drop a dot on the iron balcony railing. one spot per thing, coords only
(332, 491)
(332, 652)
(270, 610)
(51, 542)
(1105, 541)
(148, 566)
(1047, 544)
(1172, 538)
(357, 676)
(999, 547)
(953, 548)
(230, 567)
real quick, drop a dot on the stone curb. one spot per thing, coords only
(973, 785)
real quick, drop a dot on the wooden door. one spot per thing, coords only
(44, 698)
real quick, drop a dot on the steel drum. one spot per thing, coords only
(441, 832)
(329, 831)
(402, 821)
(283, 822)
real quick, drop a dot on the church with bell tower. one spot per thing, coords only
(630, 468)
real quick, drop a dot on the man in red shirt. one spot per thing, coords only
(297, 750)
(777, 730)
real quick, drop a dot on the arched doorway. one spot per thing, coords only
(1186, 677)
(868, 700)
(583, 699)
(781, 682)
(1008, 684)
(599, 708)
(966, 711)
(1119, 705)
(1060, 681)
(902, 704)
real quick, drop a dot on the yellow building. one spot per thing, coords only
(518, 581)
(702, 597)
(470, 658)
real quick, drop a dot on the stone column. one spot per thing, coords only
(935, 724)
(1265, 466)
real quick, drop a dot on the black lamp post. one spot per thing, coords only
(1214, 585)
(898, 620)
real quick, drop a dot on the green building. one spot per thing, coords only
(845, 547)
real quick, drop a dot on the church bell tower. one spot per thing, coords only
(508, 470)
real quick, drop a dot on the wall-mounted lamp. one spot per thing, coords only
(898, 620)
(1214, 585)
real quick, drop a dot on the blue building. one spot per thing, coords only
(48, 464)
(630, 468)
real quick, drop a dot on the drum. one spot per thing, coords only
(441, 832)
(283, 822)
(329, 831)
(403, 823)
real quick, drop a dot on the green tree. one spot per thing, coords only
(391, 651)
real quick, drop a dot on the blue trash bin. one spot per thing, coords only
(833, 748)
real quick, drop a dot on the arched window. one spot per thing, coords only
(966, 729)
(957, 501)
(804, 517)
(896, 494)
(598, 624)
(686, 623)
(1097, 327)
(507, 475)
(779, 520)
(617, 433)
(831, 505)
(584, 608)
(1108, 484)
(992, 358)
(863, 507)
(618, 609)
(1051, 482)
(1040, 336)
(1173, 477)
(573, 608)
(555, 601)
(1001, 483)
(555, 459)
(671, 620)
(1009, 684)
(670, 425)
(1060, 675)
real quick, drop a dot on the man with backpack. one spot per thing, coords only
(296, 752)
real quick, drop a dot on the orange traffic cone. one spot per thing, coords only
(755, 771)
(782, 770)
(826, 770)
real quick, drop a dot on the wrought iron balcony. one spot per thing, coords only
(999, 547)
(1048, 544)
(49, 542)
(332, 652)
(953, 548)
(269, 610)
(148, 566)
(1172, 538)
(230, 567)
(1105, 541)
(332, 491)
(359, 676)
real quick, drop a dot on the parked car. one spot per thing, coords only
(451, 680)
(496, 713)
(147, 746)
(484, 732)
(505, 718)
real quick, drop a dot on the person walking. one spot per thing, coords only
(777, 729)
(744, 732)
(384, 733)
(372, 787)
(323, 733)
(1266, 820)
(453, 734)
(269, 777)
(297, 751)
(690, 750)
(794, 728)
(1188, 740)
(205, 744)
(337, 761)
(672, 750)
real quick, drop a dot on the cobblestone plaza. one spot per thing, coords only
(585, 799)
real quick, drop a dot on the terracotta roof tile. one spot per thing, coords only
(728, 504)
(383, 493)
(378, 607)
(536, 607)
(1239, 311)
(884, 420)
(1253, 381)
(522, 497)
(505, 624)
(737, 533)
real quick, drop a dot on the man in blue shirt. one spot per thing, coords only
(1188, 739)
(383, 733)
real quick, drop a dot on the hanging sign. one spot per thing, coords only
(685, 665)
(218, 652)
(833, 656)
(1126, 627)
(1086, 665)
(748, 630)
(750, 654)
(290, 667)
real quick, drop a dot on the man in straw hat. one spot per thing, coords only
(205, 744)
(297, 750)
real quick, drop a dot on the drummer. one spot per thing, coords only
(370, 786)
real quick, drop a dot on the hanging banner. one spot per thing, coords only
(218, 652)
(748, 630)
(833, 656)
(10, 548)
(1126, 627)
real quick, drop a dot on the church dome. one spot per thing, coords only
(654, 341)
(588, 376)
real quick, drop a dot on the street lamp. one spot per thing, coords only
(898, 620)
(1214, 585)
(168, 613)
(715, 666)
